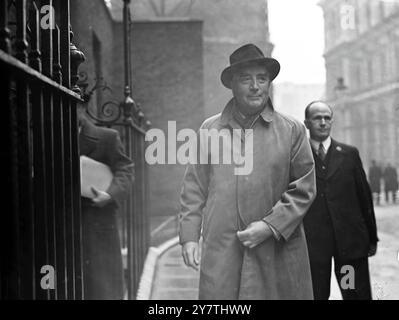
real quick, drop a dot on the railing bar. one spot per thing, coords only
(65, 41)
(41, 213)
(9, 226)
(138, 210)
(130, 234)
(50, 181)
(145, 195)
(26, 206)
(144, 225)
(35, 54)
(47, 44)
(77, 215)
(25, 219)
(21, 44)
(68, 201)
(59, 180)
(57, 71)
(140, 206)
(137, 230)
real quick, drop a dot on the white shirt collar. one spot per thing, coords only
(326, 144)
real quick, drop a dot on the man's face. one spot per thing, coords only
(319, 121)
(250, 86)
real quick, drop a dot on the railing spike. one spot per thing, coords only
(35, 54)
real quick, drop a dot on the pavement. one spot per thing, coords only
(172, 280)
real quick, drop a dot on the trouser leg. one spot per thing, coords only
(321, 278)
(354, 279)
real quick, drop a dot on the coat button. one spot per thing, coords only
(323, 167)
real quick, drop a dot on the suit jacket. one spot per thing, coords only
(391, 179)
(103, 273)
(341, 220)
(375, 175)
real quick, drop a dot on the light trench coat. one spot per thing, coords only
(216, 203)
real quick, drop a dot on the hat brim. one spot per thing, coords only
(272, 66)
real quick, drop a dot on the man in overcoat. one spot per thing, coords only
(340, 223)
(254, 245)
(102, 258)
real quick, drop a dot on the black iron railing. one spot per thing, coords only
(41, 217)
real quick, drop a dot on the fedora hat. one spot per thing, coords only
(247, 55)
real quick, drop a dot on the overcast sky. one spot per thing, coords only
(297, 31)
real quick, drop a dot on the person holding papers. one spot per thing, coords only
(106, 177)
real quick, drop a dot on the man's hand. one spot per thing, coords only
(254, 234)
(191, 254)
(372, 249)
(101, 198)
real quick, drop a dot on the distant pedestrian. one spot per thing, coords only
(391, 182)
(375, 176)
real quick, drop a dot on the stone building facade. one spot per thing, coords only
(362, 65)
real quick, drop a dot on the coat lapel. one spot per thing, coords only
(88, 138)
(336, 158)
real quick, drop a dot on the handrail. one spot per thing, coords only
(26, 70)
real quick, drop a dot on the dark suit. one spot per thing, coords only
(103, 272)
(391, 183)
(341, 222)
(375, 175)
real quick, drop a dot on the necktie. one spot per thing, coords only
(321, 153)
